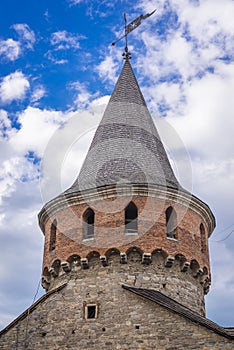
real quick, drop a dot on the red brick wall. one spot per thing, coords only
(109, 230)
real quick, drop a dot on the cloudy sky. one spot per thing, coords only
(56, 62)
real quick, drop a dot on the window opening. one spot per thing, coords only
(171, 223)
(131, 221)
(53, 233)
(91, 311)
(203, 238)
(88, 224)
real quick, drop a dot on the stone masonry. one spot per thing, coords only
(124, 321)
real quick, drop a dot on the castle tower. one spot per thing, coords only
(126, 262)
(126, 221)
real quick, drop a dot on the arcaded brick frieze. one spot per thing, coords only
(178, 281)
(109, 230)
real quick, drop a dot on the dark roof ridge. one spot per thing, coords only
(174, 306)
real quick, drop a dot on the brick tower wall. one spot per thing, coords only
(179, 267)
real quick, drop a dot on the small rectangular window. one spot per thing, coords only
(91, 311)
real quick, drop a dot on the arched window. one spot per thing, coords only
(88, 223)
(203, 238)
(171, 222)
(53, 232)
(131, 224)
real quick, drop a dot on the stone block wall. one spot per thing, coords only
(124, 321)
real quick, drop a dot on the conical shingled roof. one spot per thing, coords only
(126, 147)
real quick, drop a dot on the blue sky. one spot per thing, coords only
(57, 60)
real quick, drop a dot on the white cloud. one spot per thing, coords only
(37, 126)
(55, 60)
(107, 69)
(99, 104)
(207, 19)
(13, 87)
(149, 6)
(63, 40)
(74, 2)
(13, 170)
(37, 129)
(5, 123)
(37, 94)
(16, 164)
(83, 97)
(180, 53)
(19, 244)
(47, 15)
(10, 49)
(26, 35)
(208, 114)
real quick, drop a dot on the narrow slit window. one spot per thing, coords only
(88, 224)
(203, 238)
(131, 218)
(171, 223)
(53, 234)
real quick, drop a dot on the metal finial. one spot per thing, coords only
(129, 28)
(126, 55)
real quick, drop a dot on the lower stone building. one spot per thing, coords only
(112, 307)
(126, 261)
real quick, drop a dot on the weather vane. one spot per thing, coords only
(128, 29)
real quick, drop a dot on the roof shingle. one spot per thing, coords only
(126, 147)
